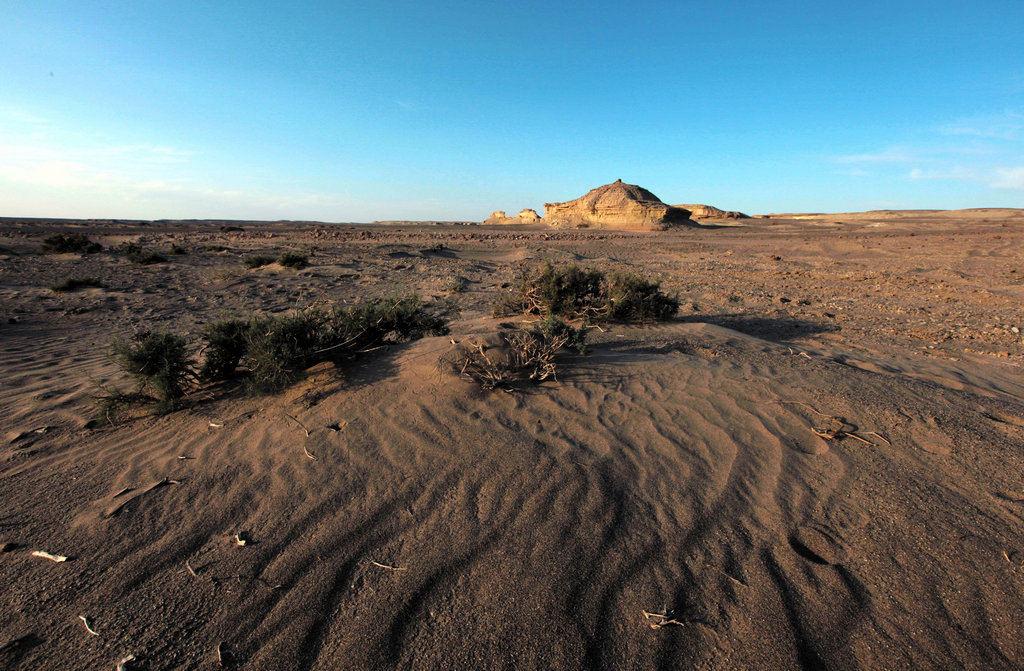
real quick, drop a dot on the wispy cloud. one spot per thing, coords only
(1008, 125)
(53, 175)
(17, 115)
(952, 173)
(1009, 178)
(891, 155)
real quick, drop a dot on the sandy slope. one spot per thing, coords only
(423, 523)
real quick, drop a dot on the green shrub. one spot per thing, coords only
(225, 346)
(62, 243)
(553, 328)
(258, 260)
(279, 348)
(632, 298)
(143, 256)
(293, 260)
(586, 294)
(73, 283)
(159, 362)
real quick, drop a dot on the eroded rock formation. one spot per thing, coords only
(616, 205)
(711, 212)
(528, 216)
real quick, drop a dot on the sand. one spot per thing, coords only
(817, 464)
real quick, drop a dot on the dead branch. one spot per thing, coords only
(662, 620)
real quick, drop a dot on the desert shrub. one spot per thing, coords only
(633, 298)
(293, 260)
(554, 328)
(143, 256)
(558, 291)
(175, 250)
(62, 243)
(586, 294)
(73, 283)
(159, 362)
(523, 355)
(279, 348)
(226, 342)
(258, 260)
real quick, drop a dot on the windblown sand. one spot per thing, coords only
(818, 464)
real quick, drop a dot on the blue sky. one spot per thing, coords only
(359, 111)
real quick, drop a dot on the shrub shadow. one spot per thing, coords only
(776, 329)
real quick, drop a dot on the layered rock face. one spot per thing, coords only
(616, 205)
(712, 212)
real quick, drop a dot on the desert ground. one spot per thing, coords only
(818, 464)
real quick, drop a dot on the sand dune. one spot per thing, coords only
(792, 494)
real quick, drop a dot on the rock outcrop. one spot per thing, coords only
(528, 216)
(497, 217)
(712, 212)
(616, 205)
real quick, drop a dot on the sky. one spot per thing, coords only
(362, 111)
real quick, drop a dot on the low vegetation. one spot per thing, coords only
(274, 351)
(293, 260)
(64, 243)
(141, 255)
(258, 260)
(278, 348)
(159, 362)
(522, 355)
(590, 295)
(74, 283)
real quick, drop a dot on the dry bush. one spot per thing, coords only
(258, 260)
(590, 295)
(293, 260)
(522, 355)
(62, 243)
(74, 283)
(143, 256)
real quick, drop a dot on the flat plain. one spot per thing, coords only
(819, 463)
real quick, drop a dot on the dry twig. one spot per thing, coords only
(87, 627)
(663, 620)
(299, 423)
(390, 568)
